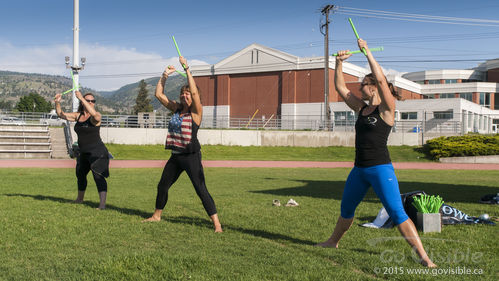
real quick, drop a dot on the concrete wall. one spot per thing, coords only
(488, 159)
(142, 136)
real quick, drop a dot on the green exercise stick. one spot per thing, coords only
(74, 82)
(356, 34)
(178, 51)
(181, 73)
(67, 91)
(74, 87)
(176, 46)
(358, 51)
(73, 78)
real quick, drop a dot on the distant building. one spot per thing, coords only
(478, 85)
(266, 83)
(436, 116)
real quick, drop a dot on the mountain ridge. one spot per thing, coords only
(14, 85)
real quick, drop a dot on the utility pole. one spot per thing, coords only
(76, 51)
(327, 112)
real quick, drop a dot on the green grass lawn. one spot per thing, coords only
(281, 153)
(45, 237)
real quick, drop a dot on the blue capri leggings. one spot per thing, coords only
(384, 182)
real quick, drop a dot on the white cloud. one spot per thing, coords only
(107, 67)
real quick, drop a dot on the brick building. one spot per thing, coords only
(267, 83)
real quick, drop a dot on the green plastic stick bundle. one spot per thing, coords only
(428, 204)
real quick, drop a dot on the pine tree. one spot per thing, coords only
(33, 103)
(142, 103)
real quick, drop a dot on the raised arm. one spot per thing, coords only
(387, 99)
(63, 115)
(350, 99)
(95, 117)
(160, 88)
(196, 106)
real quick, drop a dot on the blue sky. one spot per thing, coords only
(125, 41)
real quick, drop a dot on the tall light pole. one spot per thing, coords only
(327, 112)
(76, 51)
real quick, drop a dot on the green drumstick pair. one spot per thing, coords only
(357, 35)
(74, 87)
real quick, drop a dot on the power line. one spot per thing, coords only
(416, 17)
(97, 76)
(417, 61)
(380, 59)
(415, 20)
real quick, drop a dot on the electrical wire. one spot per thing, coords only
(416, 17)
(407, 15)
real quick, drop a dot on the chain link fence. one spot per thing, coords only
(435, 123)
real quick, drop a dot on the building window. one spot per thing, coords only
(485, 99)
(344, 118)
(409, 115)
(447, 96)
(428, 97)
(450, 81)
(466, 96)
(469, 80)
(443, 114)
(419, 82)
(436, 81)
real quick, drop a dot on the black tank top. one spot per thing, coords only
(371, 136)
(88, 135)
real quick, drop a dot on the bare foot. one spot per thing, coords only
(77, 201)
(153, 218)
(327, 244)
(101, 208)
(428, 263)
(218, 229)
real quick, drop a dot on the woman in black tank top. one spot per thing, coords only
(93, 155)
(373, 166)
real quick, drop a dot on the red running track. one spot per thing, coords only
(69, 163)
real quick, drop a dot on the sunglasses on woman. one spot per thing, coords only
(92, 101)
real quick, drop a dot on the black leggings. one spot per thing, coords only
(191, 163)
(98, 164)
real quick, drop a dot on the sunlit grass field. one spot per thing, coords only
(264, 153)
(43, 236)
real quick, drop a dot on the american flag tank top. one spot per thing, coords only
(179, 131)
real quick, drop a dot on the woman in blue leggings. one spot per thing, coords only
(373, 166)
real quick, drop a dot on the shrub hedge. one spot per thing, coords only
(467, 145)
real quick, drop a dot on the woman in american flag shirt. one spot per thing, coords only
(183, 142)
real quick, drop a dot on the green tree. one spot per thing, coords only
(142, 103)
(6, 105)
(33, 103)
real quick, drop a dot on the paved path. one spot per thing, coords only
(69, 163)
